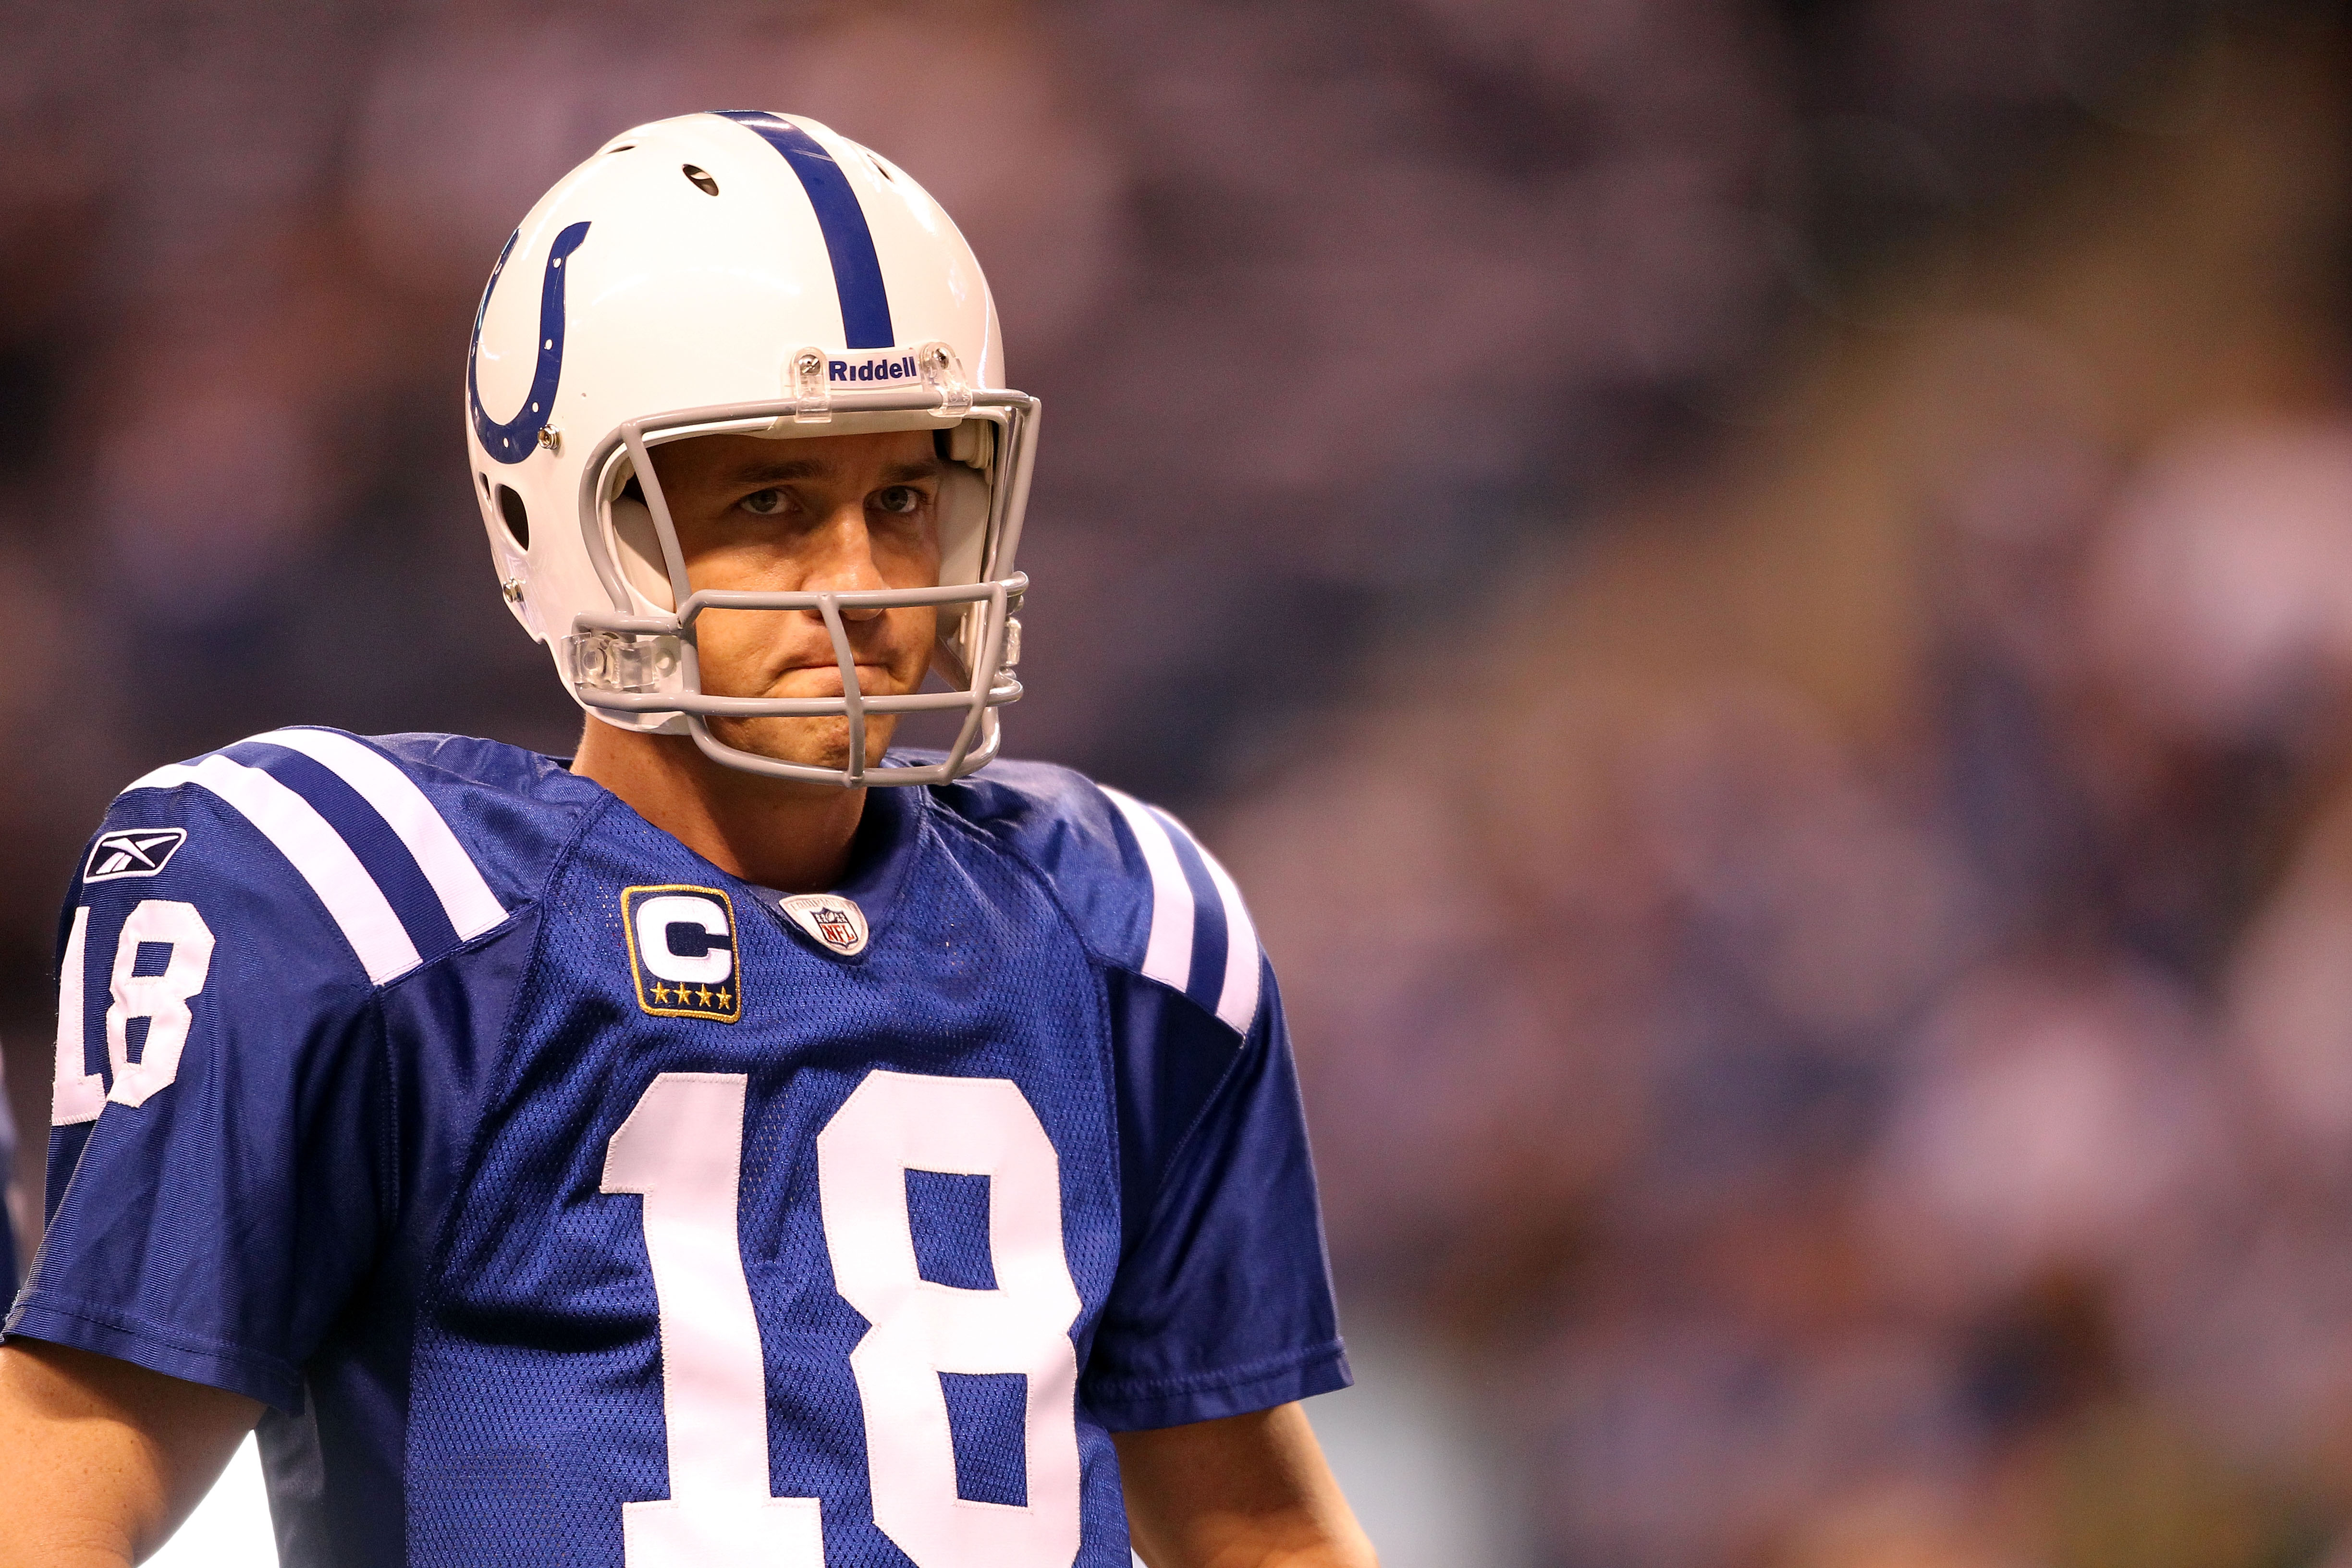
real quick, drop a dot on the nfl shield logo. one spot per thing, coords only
(838, 924)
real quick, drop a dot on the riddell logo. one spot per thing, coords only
(890, 367)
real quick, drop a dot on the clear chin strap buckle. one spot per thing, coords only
(812, 393)
(623, 661)
(943, 371)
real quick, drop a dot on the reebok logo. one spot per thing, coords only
(132, 852)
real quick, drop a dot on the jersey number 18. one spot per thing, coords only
(681, 1148)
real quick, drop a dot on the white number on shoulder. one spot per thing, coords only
(681, 1147)
(161, 998)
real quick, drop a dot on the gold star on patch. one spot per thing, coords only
(661, 993)
(703, 997)
(725, 1002)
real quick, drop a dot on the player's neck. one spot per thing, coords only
(795, 838)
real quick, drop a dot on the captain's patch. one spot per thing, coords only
(682, 951)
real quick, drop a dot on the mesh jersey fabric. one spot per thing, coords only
(375, 1201)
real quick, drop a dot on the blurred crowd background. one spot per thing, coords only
(1760, 594)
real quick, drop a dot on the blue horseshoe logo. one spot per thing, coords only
(518, 436)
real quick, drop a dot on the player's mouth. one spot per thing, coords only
(815, 679)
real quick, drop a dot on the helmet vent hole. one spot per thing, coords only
(517, 518)
(623, 147)
(701, 180)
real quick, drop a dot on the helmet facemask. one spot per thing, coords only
(637, 665)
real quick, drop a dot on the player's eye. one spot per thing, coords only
(898, 498)
(764, 503)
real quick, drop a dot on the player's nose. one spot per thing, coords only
(845, 561)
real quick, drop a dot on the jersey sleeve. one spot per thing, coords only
(219, 1166)
(1223, 1301)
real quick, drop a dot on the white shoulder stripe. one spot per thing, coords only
(472, 907)
(1237, 1003)
(314, 848)
(1168, 953)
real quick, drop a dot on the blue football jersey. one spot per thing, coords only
(569, 1201)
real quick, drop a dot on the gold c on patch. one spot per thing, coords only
(682, 951)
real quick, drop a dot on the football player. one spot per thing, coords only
(744, 1143)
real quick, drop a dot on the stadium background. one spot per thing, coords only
(1760, 595)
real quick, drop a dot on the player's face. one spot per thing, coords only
(842, 512)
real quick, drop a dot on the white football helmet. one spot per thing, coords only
(759, 274)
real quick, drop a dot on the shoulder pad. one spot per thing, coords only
(409, 857)
(1146, 894)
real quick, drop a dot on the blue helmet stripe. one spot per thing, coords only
(856, 268)
(518, 438)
